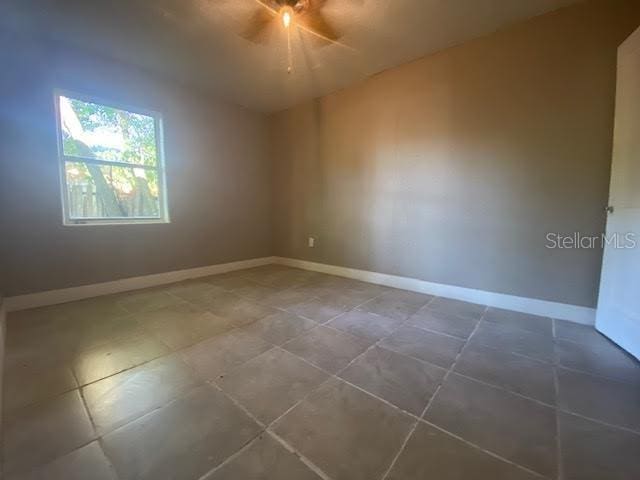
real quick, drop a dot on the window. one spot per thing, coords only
(111, 164)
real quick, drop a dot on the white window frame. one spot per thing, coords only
(163, 216)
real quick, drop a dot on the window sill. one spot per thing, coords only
(94, 223)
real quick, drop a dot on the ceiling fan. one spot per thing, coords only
(306, 14)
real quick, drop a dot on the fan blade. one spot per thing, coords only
(258, 26)
(318, 24)
(315, 5)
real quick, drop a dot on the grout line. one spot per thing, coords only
(331, 376)
(600, 422)
(429, 330)
(335, 376)
(215, 385)
(109, 461)
(85, 404)
(477, 447)
(312, 466)
(506, 390)
(517, 354)
(403, 445)
(559, 457)
(266, 428)
(428, 405)
(230, 458)
(628, 383)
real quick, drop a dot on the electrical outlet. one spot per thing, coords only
(312, 242)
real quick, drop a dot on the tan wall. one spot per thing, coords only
(453, 168)
(217, 175)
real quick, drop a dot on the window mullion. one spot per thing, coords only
(112, 163)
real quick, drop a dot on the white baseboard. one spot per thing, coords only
(562, 311)
(534, 306)
(53, 297)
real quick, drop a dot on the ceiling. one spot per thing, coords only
(197, 42)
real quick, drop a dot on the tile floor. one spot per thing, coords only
(277, 373)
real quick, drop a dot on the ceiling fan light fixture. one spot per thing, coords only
(286, 13)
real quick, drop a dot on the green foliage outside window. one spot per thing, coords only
(93, 131)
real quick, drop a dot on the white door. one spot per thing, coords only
(618, 314)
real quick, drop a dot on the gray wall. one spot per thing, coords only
(217, 175)
(453, 168)
(3, 331)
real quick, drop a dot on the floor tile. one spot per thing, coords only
(116, 357)
(85, 463)
(516, 373)
(227, 281)
(371, 288)
(346, 299)
(592, 451)
(312, 290)
(280, 327)
(281, 278)
(161, 420)
(412, 298)
(457, 307)
(607, 361)
(183, 324)
(525, 321)
(286, 298)
(36, 318)
(316, 310)
(446, 323)
(347, 433)
(271, 383)
(431, 453)
(431, 347)
(146, 300)
(183, 440)
(27, 383)
(215, 356)
(599, 398)
(403, 381)
(197, 292)
(255, 292)
(92, 334)
(122, 398)
(240, 310)
(264, 459)
(327, 348)
(43, 340)
(95, 309)
(515, 340)
(392, 306)
(37, 434)
(366, 325)
(217, 300)
(518, 429)
(584, 334)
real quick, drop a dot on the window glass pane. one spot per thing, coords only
(104, 191)
(107, 133)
